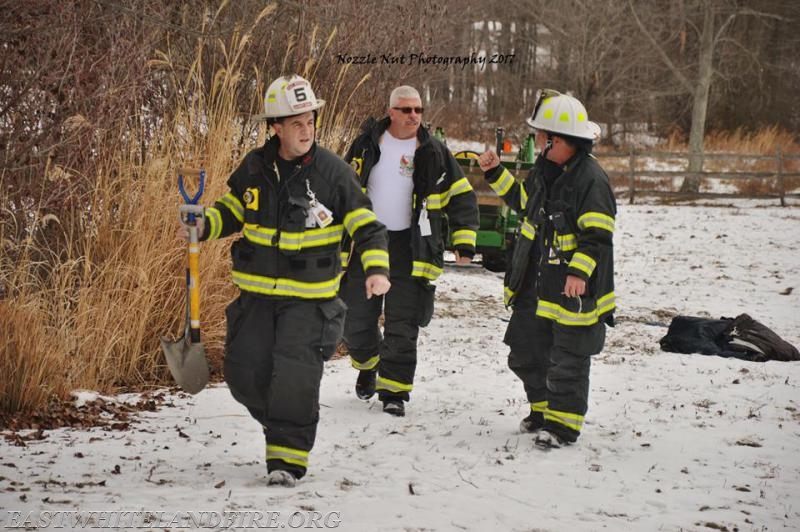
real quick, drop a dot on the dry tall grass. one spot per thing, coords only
(88, 313)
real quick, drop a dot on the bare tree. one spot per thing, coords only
(715, 18)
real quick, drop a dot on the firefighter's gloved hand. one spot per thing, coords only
(488, 160)
(377, 284)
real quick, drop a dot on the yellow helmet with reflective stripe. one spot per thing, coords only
(289, 96)
(562, 114)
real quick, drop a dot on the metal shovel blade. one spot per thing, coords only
(187, 363)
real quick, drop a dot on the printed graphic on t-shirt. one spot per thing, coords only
(407, 165)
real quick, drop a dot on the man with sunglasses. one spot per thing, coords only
(561, 279)
(413, 182)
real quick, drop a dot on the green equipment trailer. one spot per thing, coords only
(498, 224)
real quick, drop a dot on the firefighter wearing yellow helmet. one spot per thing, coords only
(292, 202)
(561, 279)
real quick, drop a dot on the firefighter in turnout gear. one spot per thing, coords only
(293, 202)
(417, 190)
(561, 279)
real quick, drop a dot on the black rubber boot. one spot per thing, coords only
(365, 384)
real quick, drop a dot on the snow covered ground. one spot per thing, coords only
(671, 442)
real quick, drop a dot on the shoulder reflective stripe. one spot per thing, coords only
(382, 383)
(234, 205)
(426, 270)
(523, 197)
(464, 237)
(288, 455)
(503, 183)
(358, 218)
(527, 230)
(540, 406)
(285, 287)
(583, 262)
(369, 364)
(371, 258)
(566, 242)
(596, 219)
(214, 221)
(573, 421)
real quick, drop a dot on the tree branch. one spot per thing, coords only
(674, 69)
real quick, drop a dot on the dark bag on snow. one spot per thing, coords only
(741, 337)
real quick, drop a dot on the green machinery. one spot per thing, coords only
(498, 223)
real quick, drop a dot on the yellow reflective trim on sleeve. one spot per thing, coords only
(382, 383)
(503, 183)
(567, 419)
(358, 218)
(234, 205)
(214, 222)
(372, 258)
(566, 242)
(358, 164)
(527, 230)
(465, 237)
(426, 270)
(523, 197)
(606, 303)
(372, 363)
(461, 186)
(583, 262)
(596, 219)
(288, 455)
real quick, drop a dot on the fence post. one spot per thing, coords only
(632, 177)
(781, 184)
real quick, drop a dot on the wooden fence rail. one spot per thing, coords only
(639, 167)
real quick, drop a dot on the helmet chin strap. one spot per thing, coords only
(547, 145)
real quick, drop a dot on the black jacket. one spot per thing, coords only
(278, 255)
(439, 186)
(571, 221)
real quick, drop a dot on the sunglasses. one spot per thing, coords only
(407, 110)
(541, 96)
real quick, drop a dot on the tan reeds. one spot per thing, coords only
(88, 313)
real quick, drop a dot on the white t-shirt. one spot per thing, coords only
(390, 185)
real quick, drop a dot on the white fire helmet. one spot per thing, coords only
(562, 114)
(289, 96)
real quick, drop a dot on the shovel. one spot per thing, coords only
(186, 357)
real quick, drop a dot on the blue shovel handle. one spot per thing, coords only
(194, 199)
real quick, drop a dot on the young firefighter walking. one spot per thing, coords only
(413, 182)
(561, 279)
(293, 201)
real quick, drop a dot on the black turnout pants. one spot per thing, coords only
(274, 356)
(406, 307)
(552, 361)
